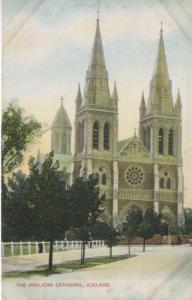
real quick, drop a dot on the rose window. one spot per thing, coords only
(134, 175)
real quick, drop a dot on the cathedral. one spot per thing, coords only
(144, 170)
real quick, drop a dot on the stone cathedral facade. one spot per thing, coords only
(143, 171)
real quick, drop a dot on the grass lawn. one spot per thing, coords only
(66, 267)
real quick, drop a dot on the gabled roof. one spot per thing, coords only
(133, 147)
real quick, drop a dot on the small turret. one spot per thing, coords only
(78, 100)
(114, 96)
(142, 107)
(61, 132)
(178, 105)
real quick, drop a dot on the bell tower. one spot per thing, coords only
(61, 132)
(96, 123)
(160, 131)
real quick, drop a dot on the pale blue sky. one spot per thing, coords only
(47, 47)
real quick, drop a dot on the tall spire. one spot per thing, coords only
(97, 89)
(160, 86)
(178, 105)
(78, 99)
(115, 94)
(142, 107)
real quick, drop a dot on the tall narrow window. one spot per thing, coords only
(168, 183)
(96, 135)
(148, 137)
(106, 137)
(170, 144)
(161, 140)
(104, 179)
(161, 183)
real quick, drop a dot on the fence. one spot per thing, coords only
(26, 248)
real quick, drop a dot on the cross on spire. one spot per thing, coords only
(61, 99)
(161, 26)
(98, 10)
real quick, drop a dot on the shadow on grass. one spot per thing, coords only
(69, 266)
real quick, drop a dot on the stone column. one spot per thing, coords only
(115, 192)
(180, 213)
(156, 188)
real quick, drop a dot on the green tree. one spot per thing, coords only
(40, 210)
(149, 225)
(18, 132)
(17, 216)
(106, 232)
(111, 238)
(86, 205)
(133, 220)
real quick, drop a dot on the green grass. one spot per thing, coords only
(66, 267)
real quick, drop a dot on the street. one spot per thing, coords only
(162, 273)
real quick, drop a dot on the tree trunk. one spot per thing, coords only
(83, 252)
(110, 251)
(143, 244)
(51, 256)
(129, 247)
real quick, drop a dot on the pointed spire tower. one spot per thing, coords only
(114, 96)
(97, 88)
(178, 105)
(96, 121)
(160, 95)
(61, 132)
(78, 100)
(142, 107)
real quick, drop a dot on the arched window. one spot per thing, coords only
(96, 175)
(96, 135)
(106, 137)
(161, 183)
(161, 140)
(168, 183)
(104, 179)
(170, 143)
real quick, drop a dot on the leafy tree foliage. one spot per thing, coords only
(188, 220)
(106, 232)
(17, 216)
(18, 132)
(133, 219)
(86, 205)
(149, 225)
(37, 205)
(143, 225)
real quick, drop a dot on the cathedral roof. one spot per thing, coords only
(133, 147)
(61, 119)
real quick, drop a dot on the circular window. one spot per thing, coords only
(134, 175)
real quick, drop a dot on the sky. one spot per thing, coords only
(47, 46)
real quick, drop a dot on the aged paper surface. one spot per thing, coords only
(48, 46)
